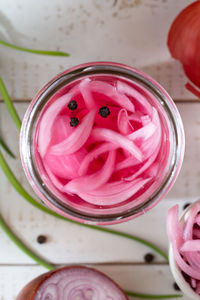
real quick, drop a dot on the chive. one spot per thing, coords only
(13, 180)
(9, 104)
(6, 149)
(43, 52)
(22, 246)
(150, 296)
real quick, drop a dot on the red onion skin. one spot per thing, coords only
(30, 290)
(184, 41)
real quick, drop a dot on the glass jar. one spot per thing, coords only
(161, 176)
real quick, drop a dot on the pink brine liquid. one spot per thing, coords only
(102, 142)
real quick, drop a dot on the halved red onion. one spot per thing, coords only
(186, 243)
(184, 44)
(72, 283)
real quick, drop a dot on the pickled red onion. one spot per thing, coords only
(48, 119)
(124, 88)
(86, 93)
(104, 161)
(110, 91)
(77, 139)
(185, 245)
(106, 147)
(103, 134)
(124, 125)
(114, 193)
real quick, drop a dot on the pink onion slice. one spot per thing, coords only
(65, 166)
(124, 88)
(136, 117)
(114, 193)
(48, 118)
(188, 229)
(106, 147)
(77, 139)
(153, 143)
(72, 283)
(146, 165)
(123, 122)
(54, 179)
(191, 246)
(143, 133)
(103, 134)
(93, 181)
(111, 92)
(87, 94)
(130, 161)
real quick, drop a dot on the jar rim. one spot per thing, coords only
(62, 79)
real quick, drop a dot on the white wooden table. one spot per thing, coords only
(128, 31)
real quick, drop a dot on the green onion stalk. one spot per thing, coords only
(41, 52)
(6, 149)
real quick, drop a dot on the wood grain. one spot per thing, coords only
(133, 32)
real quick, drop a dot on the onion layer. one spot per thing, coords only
(103, 159)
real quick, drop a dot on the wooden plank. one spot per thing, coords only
(68, 243)
(131, 32)
(144, 279)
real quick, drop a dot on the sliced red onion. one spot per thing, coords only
(103, 134)
(110, 91)
(124, 88)
(80, 160)
(94, 181)
(143, 133)
(113, 193)
(72, 283)
(65, 166)
(130, 161)
(48, 119)
(87, 94)
(186, 249)
(77, 139)
(106, 147)
(123, 122)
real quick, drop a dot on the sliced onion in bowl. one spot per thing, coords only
(185, 247)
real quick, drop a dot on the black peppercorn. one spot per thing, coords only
(41, 239)
(176, 287)
(104, 111)
(74, 122)
(148, 258)
(72, 105)
(186, 205)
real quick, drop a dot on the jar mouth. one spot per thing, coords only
(86, 70)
